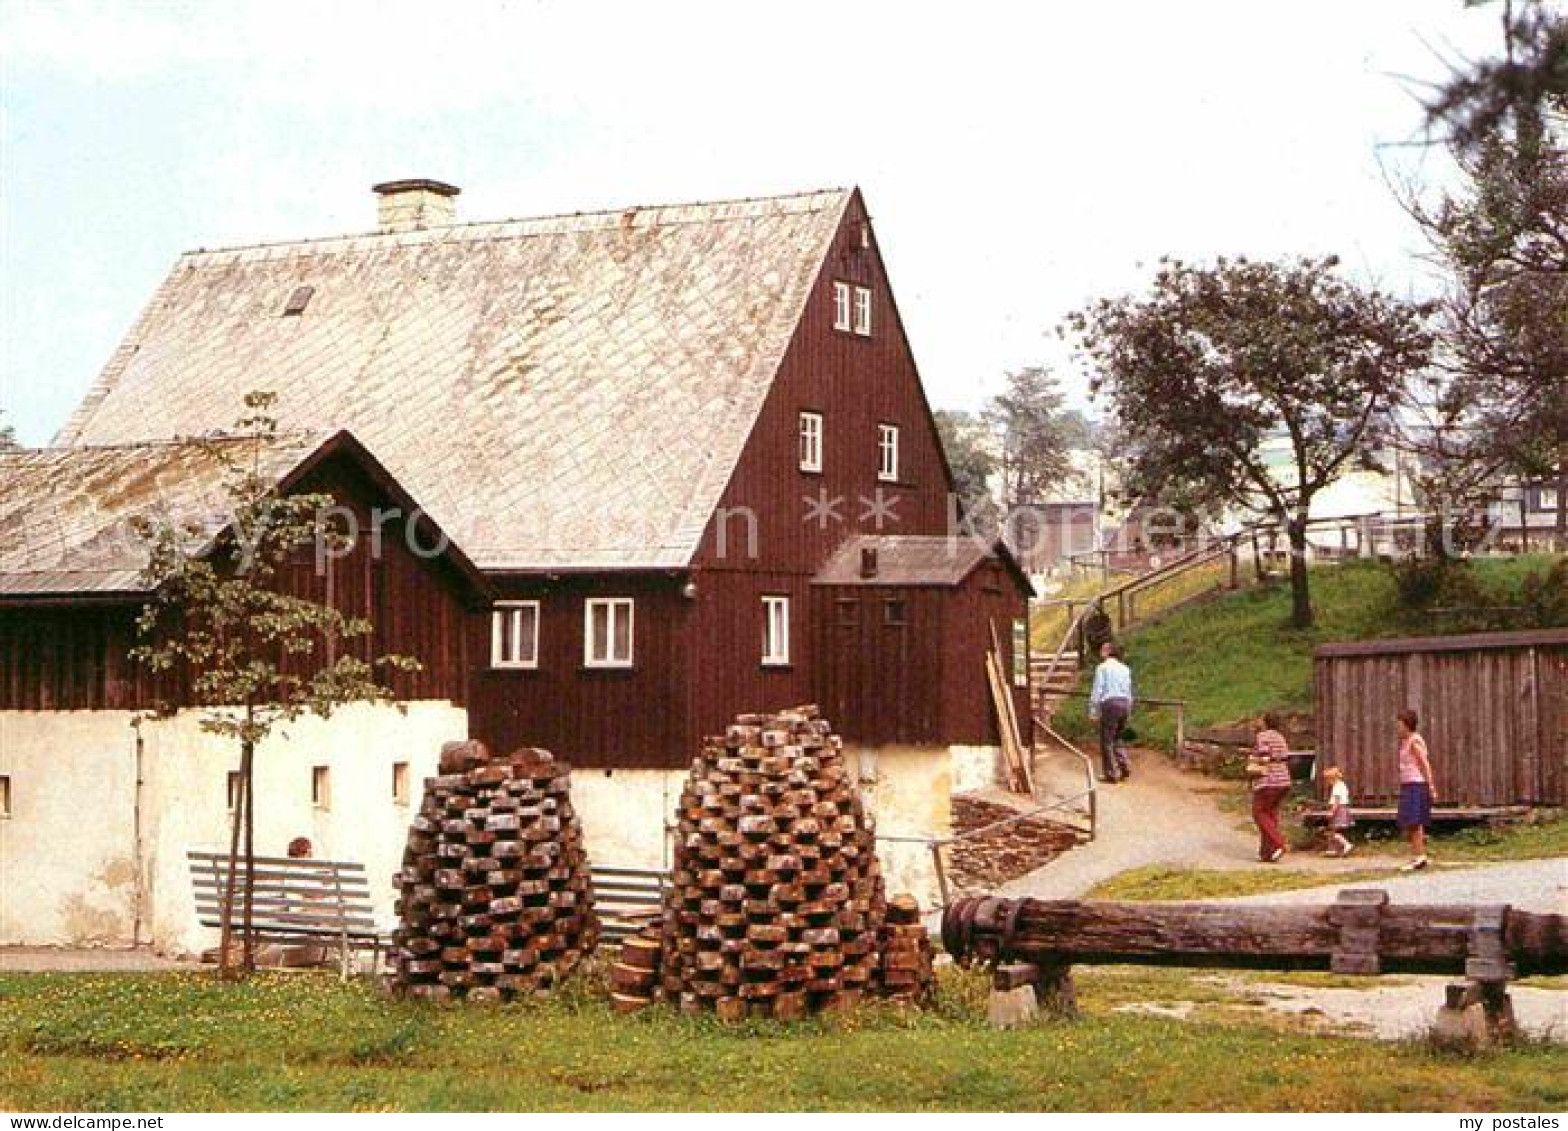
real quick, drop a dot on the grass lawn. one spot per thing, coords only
(184, 1042)
(1160, 882)
(1546, 837)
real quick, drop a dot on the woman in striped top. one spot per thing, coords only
(1270, 783)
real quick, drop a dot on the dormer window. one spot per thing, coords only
(811, 441)
(298, 301)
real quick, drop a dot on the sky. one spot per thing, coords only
(1019, 160)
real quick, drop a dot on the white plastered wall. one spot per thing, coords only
(625, 815)
(909, 790)
(68, 847)
(68, 853)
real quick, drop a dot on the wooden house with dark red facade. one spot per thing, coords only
(668, 440)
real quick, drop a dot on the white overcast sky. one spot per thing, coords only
(1018, 159)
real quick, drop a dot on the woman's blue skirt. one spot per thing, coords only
(1415, 804)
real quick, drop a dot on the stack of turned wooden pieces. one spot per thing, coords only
(634, 975)
(905, 974)
(777, 899)
(495, 895)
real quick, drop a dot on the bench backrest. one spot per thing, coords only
(326, 899)
(626, 899)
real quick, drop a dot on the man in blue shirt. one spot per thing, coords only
(1111, 703)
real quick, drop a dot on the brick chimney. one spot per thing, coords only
(408, 206)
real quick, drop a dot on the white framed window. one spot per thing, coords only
(863, 311)
(321, 787)
(514, 634)
(607, 632)
(5, 796)
(775, 631)
(400, 781)
(887, 452)
(841, 304)
(811, 441)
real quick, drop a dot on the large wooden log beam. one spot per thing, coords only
(1413, 938)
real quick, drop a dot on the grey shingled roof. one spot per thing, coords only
(66, 513)
(563, 393)
(913, 559)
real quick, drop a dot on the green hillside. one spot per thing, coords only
(1236, 655)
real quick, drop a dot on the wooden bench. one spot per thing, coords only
(627, 899)
(326, 902)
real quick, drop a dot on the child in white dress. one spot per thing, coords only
(1339, 818)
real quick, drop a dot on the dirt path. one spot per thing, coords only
(1162, 815)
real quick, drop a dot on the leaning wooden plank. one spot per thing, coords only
(1003, 725)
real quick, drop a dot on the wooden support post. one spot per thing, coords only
(1014, 999)
(1054, 990)
(1235, 566)
(1357, 913)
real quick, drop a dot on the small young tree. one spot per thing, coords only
(253, 656)
(7, 433)
(1215, 361)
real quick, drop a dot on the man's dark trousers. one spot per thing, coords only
(1113, 757)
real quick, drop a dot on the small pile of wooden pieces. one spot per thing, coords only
(777, 899)
(495, 895)
(634, 975)
(905, 974)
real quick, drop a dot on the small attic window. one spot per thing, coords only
(298, 301)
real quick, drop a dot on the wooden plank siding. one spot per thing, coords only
(921, 682)
(62, 655)
(856, 383)
(699, 658)
(636, 717)
(1493, 708)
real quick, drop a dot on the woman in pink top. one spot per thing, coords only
(1417, 788)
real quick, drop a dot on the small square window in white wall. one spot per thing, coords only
(607, 632)
(775, 631)
(811, 441)
(863, 311)
(841, 302)
(887, 452)
(5, 796)
(321, 787)
(400, 777)
(514, 634)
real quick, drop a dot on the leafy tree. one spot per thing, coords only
(1214, 361)
(968, 455)
(1497, 401)
(1035, 435)
(253, 655)
(7, 433)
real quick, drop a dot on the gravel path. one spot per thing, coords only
(1531, 885)
(1160, 816)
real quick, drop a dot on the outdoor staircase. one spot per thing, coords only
(1051, 680)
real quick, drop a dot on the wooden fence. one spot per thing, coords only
(1493, 708)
